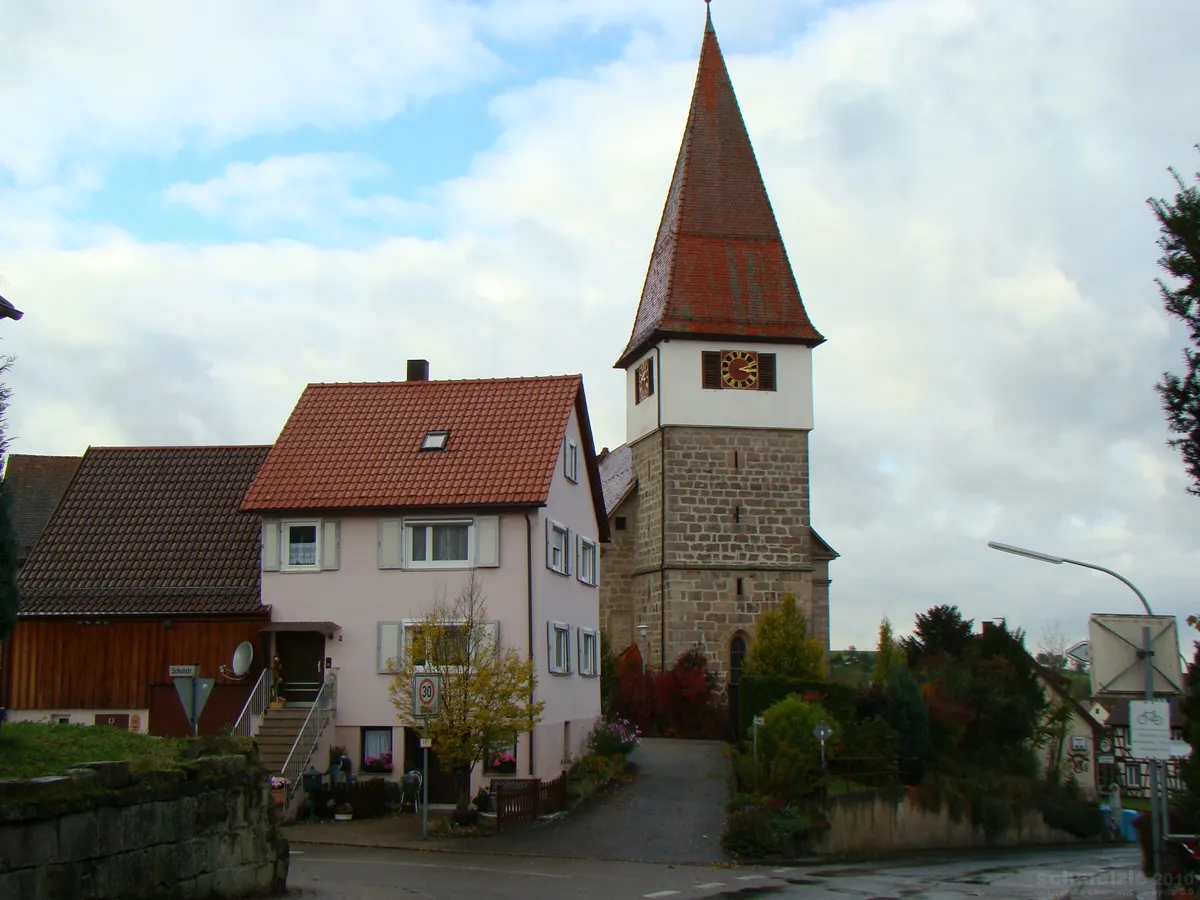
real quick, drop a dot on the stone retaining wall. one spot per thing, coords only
(890, 821)
(205, 830)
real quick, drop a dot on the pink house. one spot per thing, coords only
(377, 496)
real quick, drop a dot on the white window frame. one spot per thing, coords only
(406, 624)
(590, 578)
(558, 666)
(571, 460)
(589, 662)
(411, 524)
(285, 529)
(557, 529)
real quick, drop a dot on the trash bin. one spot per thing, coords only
(1127, 819)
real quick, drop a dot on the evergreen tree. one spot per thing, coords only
(940, 630)
(9, 553)
(1179, 222)
(908, 716)
(782, 645)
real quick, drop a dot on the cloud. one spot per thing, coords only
(309, 189)
(961, 190)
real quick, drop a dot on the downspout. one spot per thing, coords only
(662, 518)
(529, 597)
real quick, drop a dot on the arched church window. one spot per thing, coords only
(737, 652)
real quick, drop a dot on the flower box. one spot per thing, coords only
(343, 817)
(279, 795)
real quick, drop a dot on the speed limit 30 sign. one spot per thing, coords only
(427, 695)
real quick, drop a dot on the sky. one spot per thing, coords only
(204, 207)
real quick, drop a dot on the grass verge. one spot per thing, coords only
(33, 749)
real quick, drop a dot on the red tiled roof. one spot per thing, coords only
(36, 483)
(359, 445)
(146, 530)
(719, 267)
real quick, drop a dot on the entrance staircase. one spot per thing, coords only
(277, 734)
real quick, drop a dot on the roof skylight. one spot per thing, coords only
(435, 440)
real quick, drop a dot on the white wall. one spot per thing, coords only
(686, 402)
(83, 716)
(571, 698)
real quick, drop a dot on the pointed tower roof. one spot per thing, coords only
(719, 268)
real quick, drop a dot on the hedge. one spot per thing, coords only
(758, 692)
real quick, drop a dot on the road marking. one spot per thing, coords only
(711, 884)
(411, 865)
(661, 894)
(781, 871)
(750, 877)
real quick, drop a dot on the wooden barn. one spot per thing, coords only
(147, 562)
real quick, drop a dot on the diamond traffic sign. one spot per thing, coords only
(1080, 652)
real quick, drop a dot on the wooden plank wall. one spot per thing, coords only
(66, 664)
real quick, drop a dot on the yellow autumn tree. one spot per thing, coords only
(487, 689)
(888, 655)
(782, 645)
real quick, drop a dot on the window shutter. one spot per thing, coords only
(566, 450)
(710, 368)
(330, 533)
(390, 534)
(567, 662)
(570, 542)
(387, 644)
(596, 564)
(766, 371)
(577, 549)
(487, 541)
(549, 555)
(494, 633)
(579, 648)
(270, 546)
(550, 664)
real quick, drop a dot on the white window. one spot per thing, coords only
(589, 652)
(571, 460)
(445, 544)
(300, 545)
(558, 636)
(588, 558)
(444, 646)
(558, 547)
(434, 545)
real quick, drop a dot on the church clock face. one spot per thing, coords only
(739, 369)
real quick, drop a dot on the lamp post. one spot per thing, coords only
(642, 630)
(1157, 829)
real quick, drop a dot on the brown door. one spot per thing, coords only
(441, 782)
(302, 659)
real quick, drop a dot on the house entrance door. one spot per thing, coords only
(441, 782)
(302, 659)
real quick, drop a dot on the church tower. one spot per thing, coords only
(709, 499)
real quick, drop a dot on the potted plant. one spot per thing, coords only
(380, 763)
(504, 763)
(279, 789)
(344, 813)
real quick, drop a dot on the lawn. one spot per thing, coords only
(30, 749)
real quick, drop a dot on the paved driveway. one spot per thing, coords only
(673, 811)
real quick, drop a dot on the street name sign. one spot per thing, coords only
(1150, 729)
(182, 671)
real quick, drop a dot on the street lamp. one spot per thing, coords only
(1157, 829)
(642, 630)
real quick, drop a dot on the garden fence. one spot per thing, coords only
(524, 799)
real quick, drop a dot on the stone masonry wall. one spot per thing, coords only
(206, 830)
(617, 611)
(737, 507)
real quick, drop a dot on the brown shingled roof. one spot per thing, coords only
(351, 446)
(719, 268)
(36, 483)
(150, 530)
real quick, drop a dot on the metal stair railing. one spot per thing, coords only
(256, 704)
(310, 732)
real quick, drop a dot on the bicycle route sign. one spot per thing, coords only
(427, 695)
(1150, 729)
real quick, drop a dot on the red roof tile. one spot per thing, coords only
(359, 445)
(37, 483)
(719, 267)
(150, 530)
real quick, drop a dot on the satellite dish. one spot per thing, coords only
(242, 657)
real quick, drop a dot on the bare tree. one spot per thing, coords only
(1052, 651)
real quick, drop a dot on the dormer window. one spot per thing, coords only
(435, 440)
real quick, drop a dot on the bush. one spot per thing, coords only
(756, 693)
(790, 723)
(788, 775)
(871, 737)
(615, 736)
(756, 829)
